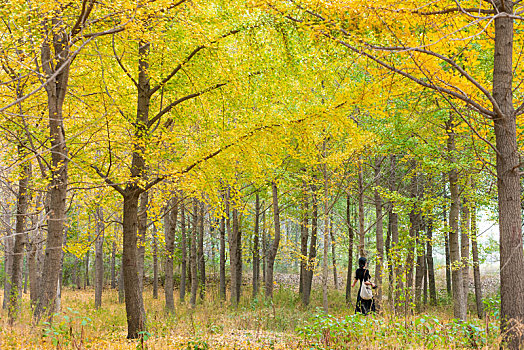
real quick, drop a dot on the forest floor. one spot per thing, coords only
(253, 324)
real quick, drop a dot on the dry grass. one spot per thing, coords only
(213, 324)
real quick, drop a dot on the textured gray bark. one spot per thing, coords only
(55, 57)
(193, 255)
(113, 265)
(476, 263)
(235, 257)
(183, 272)
(379, 233)
(169, 233)
(304, 236)
(361, 217)
(276, 241)
(142, 238)
(464, 246)
(508, 182)
(459, 304)
(20, 239)
(222, 287)
(99, 257)
(256, 248)
(201, 257)
(155, 263)
(351, 237)
(333, 253)
(308, 281)
(430, 264)
(8, 262)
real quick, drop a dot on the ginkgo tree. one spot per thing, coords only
(464, 51)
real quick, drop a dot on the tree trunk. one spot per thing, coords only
(8, 264)
(57, 189)
(264, 246)
(256, 249)
(222, 287)
(395, 248)
(235, 259)
(379, 236)
(308, 283)
(446, 247)
(121, 286)
(333, 253)
(170, 220)
(464, 246)
(155, 263)
(459, 304)
(142, 237)
(183, 277)
(411, 240)
(113, 265)
(136, 317)
(429, 264)
(193, 256)
(276, 241)
(23, 199)
(351, 237)
(86, 267)
(304, 233)
(325, 247)
(508, 183)
(361, 218)
(476, 264)
(99, 257)
(201, 259)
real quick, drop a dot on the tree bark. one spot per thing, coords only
(379, 232)
(430, 264)
(308, 283)
(508, 182)
(169, 233)
(411, 240)
(395, 253)
(8, 259)
(351, 237)
(325, 304)
(121, 287)
(136, 317)
(142, 237)
(361, 218)
(476, 263)
(256, 249)
(235, 255)
(222, 287)
(57, 189)
(276, 241)
(183, 277)
(193, 256)
(333, 253)
(99, 257)
(464, 246)
(304, 233)
(113, 265)
(459, 304)
(155, 263)
(201, 258)
(446, 247)
(23, 199)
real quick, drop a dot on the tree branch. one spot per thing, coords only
(187, 59)
(180, 100)
(108, 180)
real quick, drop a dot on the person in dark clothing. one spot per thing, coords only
(362, 275)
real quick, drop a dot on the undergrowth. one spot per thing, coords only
(253, 324)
